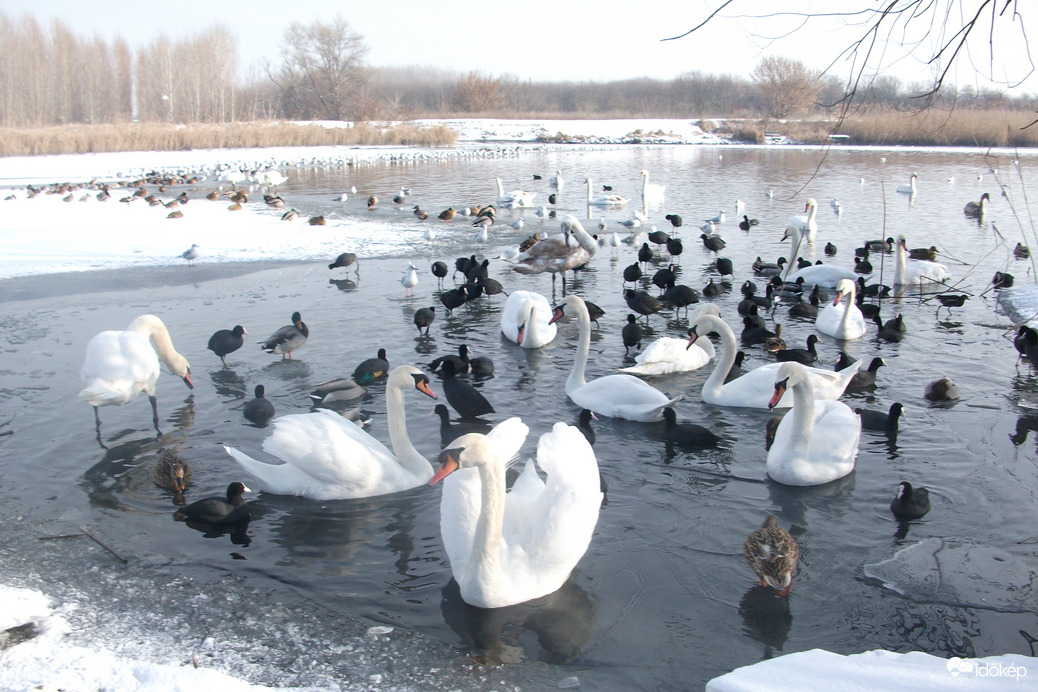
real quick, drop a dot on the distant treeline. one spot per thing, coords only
(51, 76)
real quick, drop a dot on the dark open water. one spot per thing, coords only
(663, 599)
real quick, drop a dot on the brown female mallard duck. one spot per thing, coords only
(772, 554)
(172, 473)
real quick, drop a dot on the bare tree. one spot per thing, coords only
(477, 93)
(322, 69)
(787, 88)
(989, 35)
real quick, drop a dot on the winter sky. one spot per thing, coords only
(546, 40)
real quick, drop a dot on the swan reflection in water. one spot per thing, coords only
(563, 623)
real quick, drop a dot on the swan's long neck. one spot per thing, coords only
(485, 560)
(812, 211)
(576, 377)
(588, 189)
(532, 329)
(715, 382)
(155, 330)
(794, 251)
(900, 265)
(500, 188)
(409, 457)
(803, 419)
(845, 321)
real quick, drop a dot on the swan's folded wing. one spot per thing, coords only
(564, 515)
(335, 453)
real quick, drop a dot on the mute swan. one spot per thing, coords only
(977, 210)
(226, 341)
(514, 199)
(668, 354)
(908, 188)
(824, 275)
(526, 319)
(651, 192)
(287, 339)
(510, 547)
(327, 457)
(617, 396)
(772, 555)
(753, 388)
(816, 442)
(120, 365)
(556, 181)
(915, 272)
(807, 225)
(603, 200)
(842, 321)
(559, 253)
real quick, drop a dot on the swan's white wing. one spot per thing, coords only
(328, 457)
(558, 519)
(755, 388)
(117, 366)
(621, 396)
(668, 354)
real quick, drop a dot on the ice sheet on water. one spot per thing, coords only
(978, 576)
(1021, 303)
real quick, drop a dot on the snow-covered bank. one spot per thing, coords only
(877, 670)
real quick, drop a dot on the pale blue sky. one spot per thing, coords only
(536, 39)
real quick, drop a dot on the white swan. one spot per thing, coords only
(120, 365)
(754, 388)
(603, 200)
(327, 457)
(915, 272)
(908, 188)
(526, 319)
(817, 442)
(824, 275)
(807, 225)
(842, 321)
(669, 354)
(510, 547)
(651, 193)
(556, 181)
(616, 396)
(572, 248)
(514, 199)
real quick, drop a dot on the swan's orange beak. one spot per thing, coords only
(519, 334)
(692, 336)
(838, 298)
(780, 389)
(448, 465)
(187, 379)
(556, 314)
(422, 385)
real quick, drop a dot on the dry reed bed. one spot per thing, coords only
(84, 139)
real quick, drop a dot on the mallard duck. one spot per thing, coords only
(172, 473)
(772, 554)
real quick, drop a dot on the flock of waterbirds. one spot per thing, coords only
(327, 455)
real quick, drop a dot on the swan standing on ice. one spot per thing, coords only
(816, 442)
(617, 396)
(120, 365)
(327, 457)
(559, 253)
(508, 547)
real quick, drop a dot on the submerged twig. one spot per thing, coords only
(101, 543)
